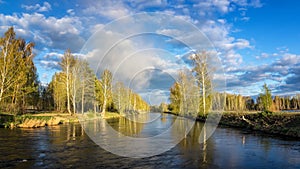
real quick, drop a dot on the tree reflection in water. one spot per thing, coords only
(188, 145)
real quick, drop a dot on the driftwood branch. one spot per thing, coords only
(248, 121)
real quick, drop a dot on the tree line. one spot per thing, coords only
(236, 102)
(247, 103)
(74, 89)
(77, 89)
(193, 94)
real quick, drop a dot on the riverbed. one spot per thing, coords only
(68, 146)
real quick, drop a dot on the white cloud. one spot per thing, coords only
(210, 5)
(170, 32)
(217, 30)
(37, 7)
(222, 21)
(234, 44)
(96, 27)
(217, 33)
(231, 60)
(226, 45)
(248, 3)
(263, 56)
(59, 25)
(49, 65)
(70, 31)
(281, 73)
(289, 59)
(142, 4)
(131, 57)
(127, 59)
(50, 60)
(256, 3)
(209, 8)
(112, 9)
(71, 12)
(224, 6)
(50, 31)
(245, 18)
(53, 55)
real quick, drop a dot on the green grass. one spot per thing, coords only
(29, 116)
(109, 115)
(91, 115)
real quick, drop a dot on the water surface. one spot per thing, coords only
(67, 146)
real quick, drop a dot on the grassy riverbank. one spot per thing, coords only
(35, 120)
(278, 123)
(46, 119)
(92, 115)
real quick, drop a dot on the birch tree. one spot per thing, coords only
(120, 97)
(66, 64)
(203, 79)
(106, 89)
(86, 80)
(189, 93)
(75, 82)
(59, 91)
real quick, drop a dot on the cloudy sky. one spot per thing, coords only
(257, 41)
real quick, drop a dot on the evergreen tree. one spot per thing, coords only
(18, 78)
(266, 98)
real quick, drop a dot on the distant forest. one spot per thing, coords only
(237, 102)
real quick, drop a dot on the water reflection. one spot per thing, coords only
(199, 153)
(122, 126)
(67, 146)
(163, 118)
(147, 139)
(132, 126)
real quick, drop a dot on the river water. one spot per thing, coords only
(67, 146)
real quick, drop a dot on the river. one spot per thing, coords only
(68, 146)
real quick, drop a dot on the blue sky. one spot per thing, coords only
(257, 40)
